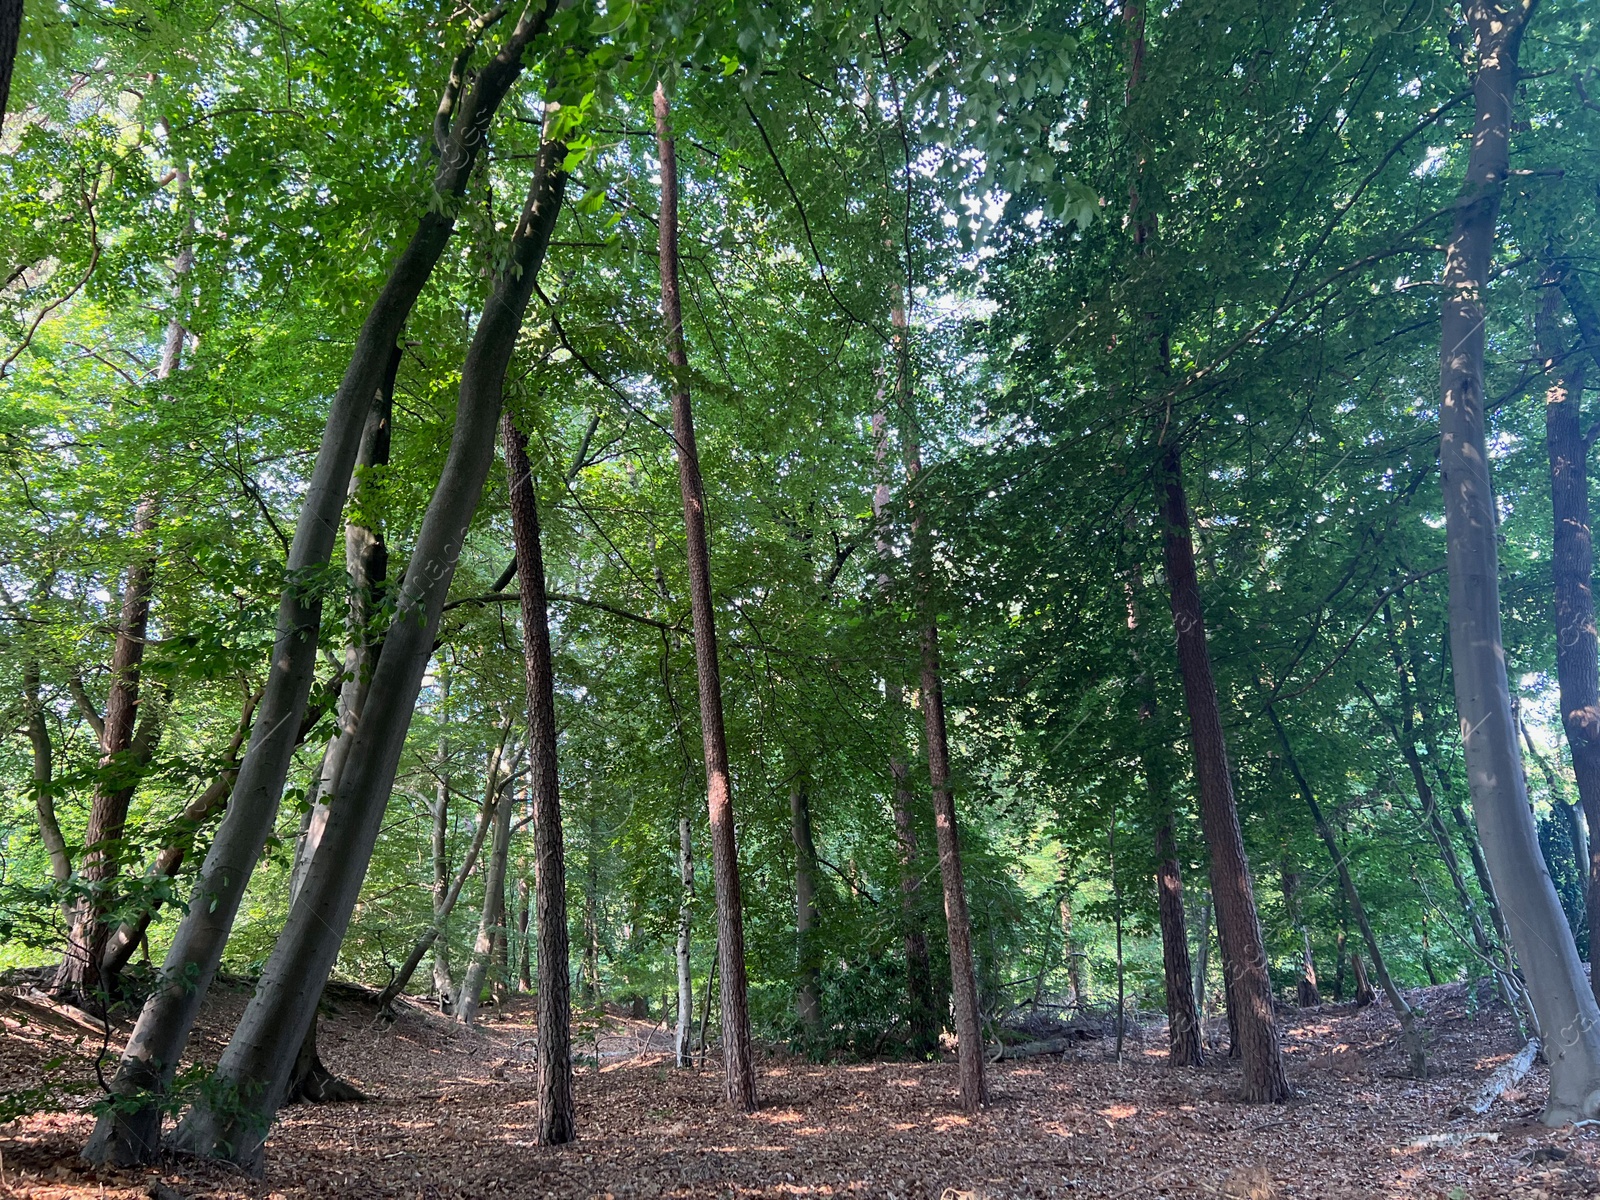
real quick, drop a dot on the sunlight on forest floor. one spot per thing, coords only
(454, 1117)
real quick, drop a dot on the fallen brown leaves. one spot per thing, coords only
(454, 1118)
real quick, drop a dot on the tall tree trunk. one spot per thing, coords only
(591, 913)
(740, 1082)
(1561, 997)
(82, 972)
(556, 1116)
(807, 1003)
(524, 925)
(492, 919)
(922, 1018)
(1202, 965)
(443, 985)
(43, 780)
(1410, 1032)
(1185, 1047)
(963, 978)
(1244, 958)
(128, 1132)
(684, 1033)
(1572, 567)
(252, 1073)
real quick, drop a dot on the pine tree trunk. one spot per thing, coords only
(1244, 957)
(556, 1115)
(1185, 1047)
(684, 1034)
(807, 1004)
(739, 1068)
(1572, 567)
(128, 1133)
(1561, 997)
(1202, 966)
(251, 1076)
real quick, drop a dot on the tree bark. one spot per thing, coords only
(524, 925)
(557, 1117)
(922, 1017)
(807, 1003)
(740, 1081)
(1561, 997)
(1185, 1047)
(10, 34)
(43, 779)
(443, 986)
(129, 1133)
(1202, 965)
(232, 1120)
(1244, 957)
(1572, 568)
(1364, 992)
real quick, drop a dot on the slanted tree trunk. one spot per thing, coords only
(492, 920)
(921, 1017)
(128, 1132)
(10, 33)
(43, 780)
(1561, 997)
(1244, 959)
(1410, 1031)
(557, 1120)
(739, 1068)
(1365, 994)
(1572, 568)
(807, 1004)
(232, 1120)
(1306, 991)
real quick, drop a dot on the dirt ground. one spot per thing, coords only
(452, 1116)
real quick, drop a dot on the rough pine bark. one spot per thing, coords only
(234, 1114)
(1244, 960)
(1561, 997)
(807, 1003)
(739, 1068)
(1185, 1047)
(556, 1115)
(129, 1132)
(1572, 569)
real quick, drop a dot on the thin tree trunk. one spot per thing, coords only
(128, 1132)
(1202, 964)
(807, 1003)
(1185, 1047)
(685, 1030)
(553, 1055)
(10, 34)
(591, 902)
(963, 978)
(252, 1073)
(1364, 992)
(524, 924)
(43, 780)
(1076, 983)
(1572, 567)
(1566, 1007)
(1308, 994)
(1244, 957)
(492, 919)
(442, 913)
(1411, 1033)
(740, 1082)
(443, 986)
(921, 1017)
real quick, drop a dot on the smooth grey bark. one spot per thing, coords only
(807, 1003)
(42, 782)
(129, 1133)
(443, 986)
(1560, 994)
(739, 1085)
(233, 1116)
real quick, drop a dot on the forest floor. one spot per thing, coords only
(452, 1116)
